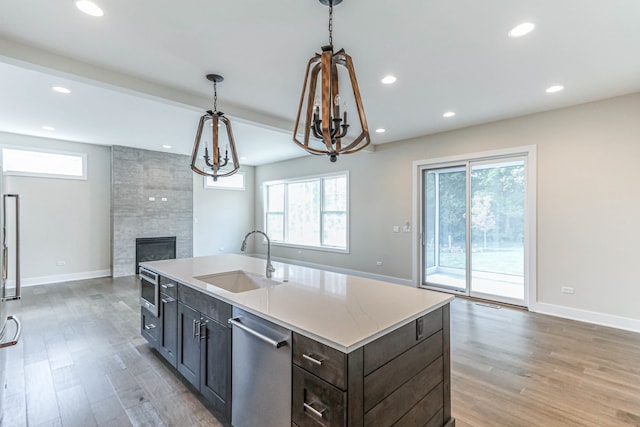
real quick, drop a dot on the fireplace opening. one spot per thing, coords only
(154, 249)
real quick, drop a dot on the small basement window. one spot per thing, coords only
(44, 163)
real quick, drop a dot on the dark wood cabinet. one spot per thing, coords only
(168, 334)
(215, 365)
(192, 334)
(402, 378)
(204, 356)
(149, 326)
(188, 361)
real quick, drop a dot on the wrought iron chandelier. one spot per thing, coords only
(213, 161)
(323, 102)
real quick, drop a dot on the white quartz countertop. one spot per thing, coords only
(342, 311)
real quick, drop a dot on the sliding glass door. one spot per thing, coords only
(473, 240)
(445, 195)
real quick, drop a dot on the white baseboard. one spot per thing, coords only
(619, 322)
(44, 280)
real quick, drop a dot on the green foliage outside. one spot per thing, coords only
(497, 218)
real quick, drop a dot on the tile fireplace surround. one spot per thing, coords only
(151, 196)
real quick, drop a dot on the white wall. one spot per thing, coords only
(222, 217)
(63, 220)
(588, 209)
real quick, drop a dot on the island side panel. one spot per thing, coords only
(446, 356)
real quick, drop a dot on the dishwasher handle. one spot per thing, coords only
(275, 343)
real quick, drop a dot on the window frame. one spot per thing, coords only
(208, 186)
(321, 213)
(83, 156)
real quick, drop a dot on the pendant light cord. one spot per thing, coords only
(330, 23)
(215, 97)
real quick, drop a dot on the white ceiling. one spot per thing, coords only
(137, 74)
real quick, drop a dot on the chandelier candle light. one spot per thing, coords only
(213, 161)
(322, 114)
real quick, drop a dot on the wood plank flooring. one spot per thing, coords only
(82, 362)
(515, 368)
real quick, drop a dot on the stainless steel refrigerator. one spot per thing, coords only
(10, 267)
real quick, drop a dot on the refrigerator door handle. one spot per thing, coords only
(5, 249)
(16, 337)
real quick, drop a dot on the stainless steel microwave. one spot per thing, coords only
(149, 291)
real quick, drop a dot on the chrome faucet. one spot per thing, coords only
(270, 268)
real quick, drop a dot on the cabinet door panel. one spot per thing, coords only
(149, 326)
(169, 332)
(216, 365)
(188, 344)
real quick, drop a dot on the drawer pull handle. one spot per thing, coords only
(168, 300)
(312, 359)
(149, 326)
(170, 285)
(314, 411)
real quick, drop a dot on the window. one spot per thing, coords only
(311, 212)
(233, 182)
(41, 163)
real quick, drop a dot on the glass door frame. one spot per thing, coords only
(528, 154)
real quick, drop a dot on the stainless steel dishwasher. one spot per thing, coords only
(260, 372)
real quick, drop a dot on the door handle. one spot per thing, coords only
(202, 333)
(5, 249)
(312, 359)
(149, 326)
(196, 329)
(275, 343)
(16, 337)
(314, 411)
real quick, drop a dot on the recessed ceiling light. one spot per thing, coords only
(389, 79)
(61, 89)
(449, 114)
(554, 89)
(380, 130)
(49, 128)
(166, 146)
(89, 7)
(522, 29)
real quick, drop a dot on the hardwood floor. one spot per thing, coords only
(82, 362)
(514, 368)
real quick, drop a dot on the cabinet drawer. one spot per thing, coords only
(324, 361)
(215, 309)
(168, 287)
(389, 346)
(149, 326)
(316, 402)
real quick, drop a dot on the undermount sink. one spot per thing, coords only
(237, 281)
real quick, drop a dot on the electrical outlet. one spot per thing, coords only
(61, 263)
(152, 199)
(221, 249)
(396, 228)
(567, 290)
(379, 263)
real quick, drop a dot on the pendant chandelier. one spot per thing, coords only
(209, 127)
(323, 103)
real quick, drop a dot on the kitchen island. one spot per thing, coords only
(364, 352)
